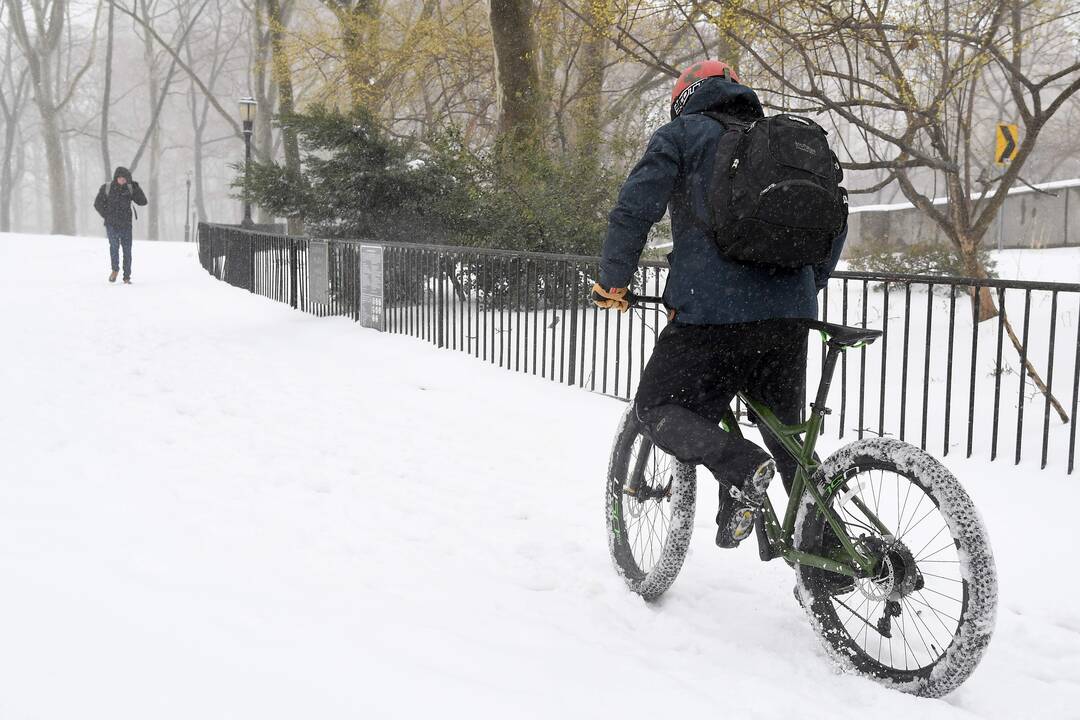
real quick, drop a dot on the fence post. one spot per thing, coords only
(294, 273)
(251, 264)
(441, 284)
(571, 376)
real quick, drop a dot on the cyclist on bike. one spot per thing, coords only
(734, 326)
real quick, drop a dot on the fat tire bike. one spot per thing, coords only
(893, 564)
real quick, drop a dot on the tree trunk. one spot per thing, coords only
(283, 77)
(153, 93)
(198, 125)
(265, 89)
(71, 173)
(40, 53)
(106, 97)
(516, 74)
(17, 207)
(63, 223)
(588, 116)
(153, 216)
(357, 42)
(7, 172)
(969, 256)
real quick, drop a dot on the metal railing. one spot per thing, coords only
(935, 378)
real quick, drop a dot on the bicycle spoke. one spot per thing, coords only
(942, 549)
(942, 577)
(914, 512)
(934, 653)
(903, 509)
(646, 516)
(907, 645)
(947, 597)
(917, 641)
(927, 544)
(937, 613)
(925, 515)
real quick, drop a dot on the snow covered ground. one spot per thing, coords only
(212, 506)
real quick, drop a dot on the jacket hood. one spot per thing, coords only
(123, 172)
(719, 95)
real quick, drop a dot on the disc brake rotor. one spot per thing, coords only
(897, 576)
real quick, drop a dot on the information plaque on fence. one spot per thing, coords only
(371, 286)
(318, 262)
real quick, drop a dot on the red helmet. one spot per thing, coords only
(691, 79)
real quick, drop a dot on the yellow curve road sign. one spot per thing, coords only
(1008, 143)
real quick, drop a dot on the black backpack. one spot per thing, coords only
(776, 197)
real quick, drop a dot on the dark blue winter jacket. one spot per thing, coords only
(703, 287)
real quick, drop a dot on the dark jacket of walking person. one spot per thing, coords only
(113, 203)
(735, 326)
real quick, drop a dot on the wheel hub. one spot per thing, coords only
(897, 572)
(646, 492)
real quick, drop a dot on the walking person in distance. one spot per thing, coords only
(113, 203)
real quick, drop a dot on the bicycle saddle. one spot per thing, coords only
(844, 336)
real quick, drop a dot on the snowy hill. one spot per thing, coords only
(212, 506)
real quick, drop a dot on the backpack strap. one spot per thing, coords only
(734, 124)
(730, 124)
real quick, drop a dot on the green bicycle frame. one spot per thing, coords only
(849, 561)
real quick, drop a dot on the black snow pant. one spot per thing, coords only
(693, 375)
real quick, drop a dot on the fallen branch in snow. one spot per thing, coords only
(1031, 371)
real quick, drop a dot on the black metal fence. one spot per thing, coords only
(1006, 386)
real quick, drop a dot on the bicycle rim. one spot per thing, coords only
(930, 612)
(924, 617)
(650, 511)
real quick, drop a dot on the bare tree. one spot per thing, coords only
(42, 50)
(218, 53)
(13, 89)
(906, 78)
(174, 53)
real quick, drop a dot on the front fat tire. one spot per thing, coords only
(649, 582)
(977, 569)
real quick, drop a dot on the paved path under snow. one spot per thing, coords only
(212, 506)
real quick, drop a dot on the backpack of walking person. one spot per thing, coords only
(775, 192)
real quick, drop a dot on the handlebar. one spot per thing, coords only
(633, 299)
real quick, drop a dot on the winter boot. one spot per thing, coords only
(127, 281)
(739, 508)
(112, 276)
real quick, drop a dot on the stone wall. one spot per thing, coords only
(1031, 220)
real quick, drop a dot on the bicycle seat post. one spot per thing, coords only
(818, 406)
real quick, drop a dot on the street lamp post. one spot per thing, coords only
(247, 115)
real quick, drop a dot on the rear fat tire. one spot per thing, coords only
(649, 582)
(976, 569)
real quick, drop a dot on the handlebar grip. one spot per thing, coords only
(632, 299)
